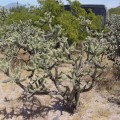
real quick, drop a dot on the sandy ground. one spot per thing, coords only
(94, 105)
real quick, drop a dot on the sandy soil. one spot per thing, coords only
(94, 105)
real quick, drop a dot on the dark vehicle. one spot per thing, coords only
(96, 9)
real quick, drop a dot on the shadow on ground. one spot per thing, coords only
(29, 110)
(33, 109)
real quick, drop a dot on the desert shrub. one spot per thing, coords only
(70, 20)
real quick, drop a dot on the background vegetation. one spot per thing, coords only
(70, 21)
(115, 11)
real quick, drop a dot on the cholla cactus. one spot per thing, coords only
(48, 50)
(3, 15)
(113, 37)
